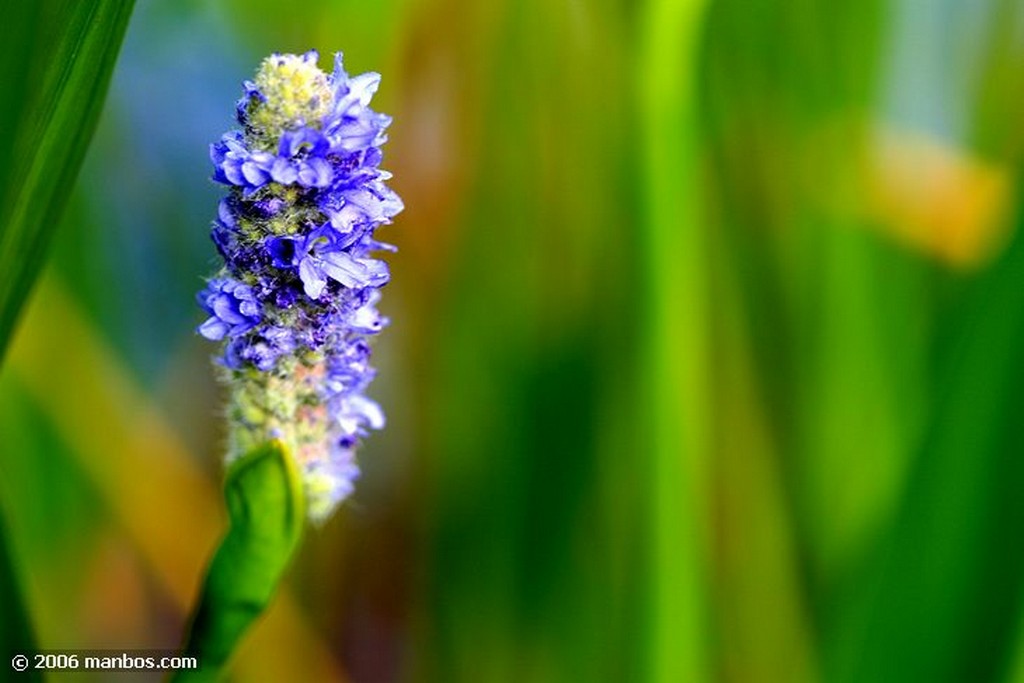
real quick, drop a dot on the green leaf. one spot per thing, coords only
(16, 635)
(267, 513)
(56, 57)
(944, 591)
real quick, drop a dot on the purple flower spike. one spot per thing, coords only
(297, 296)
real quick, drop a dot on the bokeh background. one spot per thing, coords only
(706, 359)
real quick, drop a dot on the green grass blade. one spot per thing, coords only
(945, 589)
(56, 57)
(16, 636)
(267, 513)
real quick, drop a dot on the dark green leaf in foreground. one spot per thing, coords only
(56, 57)
(267, 513)
(15, 630)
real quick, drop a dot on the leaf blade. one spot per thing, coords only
(16, 634)
(940, 598)
(65, 54)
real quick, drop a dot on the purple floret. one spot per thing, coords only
(233, 309)
(319, 257)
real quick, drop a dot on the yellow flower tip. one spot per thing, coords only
(295, 91)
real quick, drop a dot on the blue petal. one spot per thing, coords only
(213, 329)
(233, 172)
(255, 175)
(377, 271)
(362, 87)
(343, 268)
(313, 280)
(283, 172)
(224, 308)
(323, 172)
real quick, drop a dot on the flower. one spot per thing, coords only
(232, 306)
(320, 256)
(296, 298)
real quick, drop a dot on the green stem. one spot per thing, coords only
(267, 512)
(676, 337)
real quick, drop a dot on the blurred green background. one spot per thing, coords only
(706, 359)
